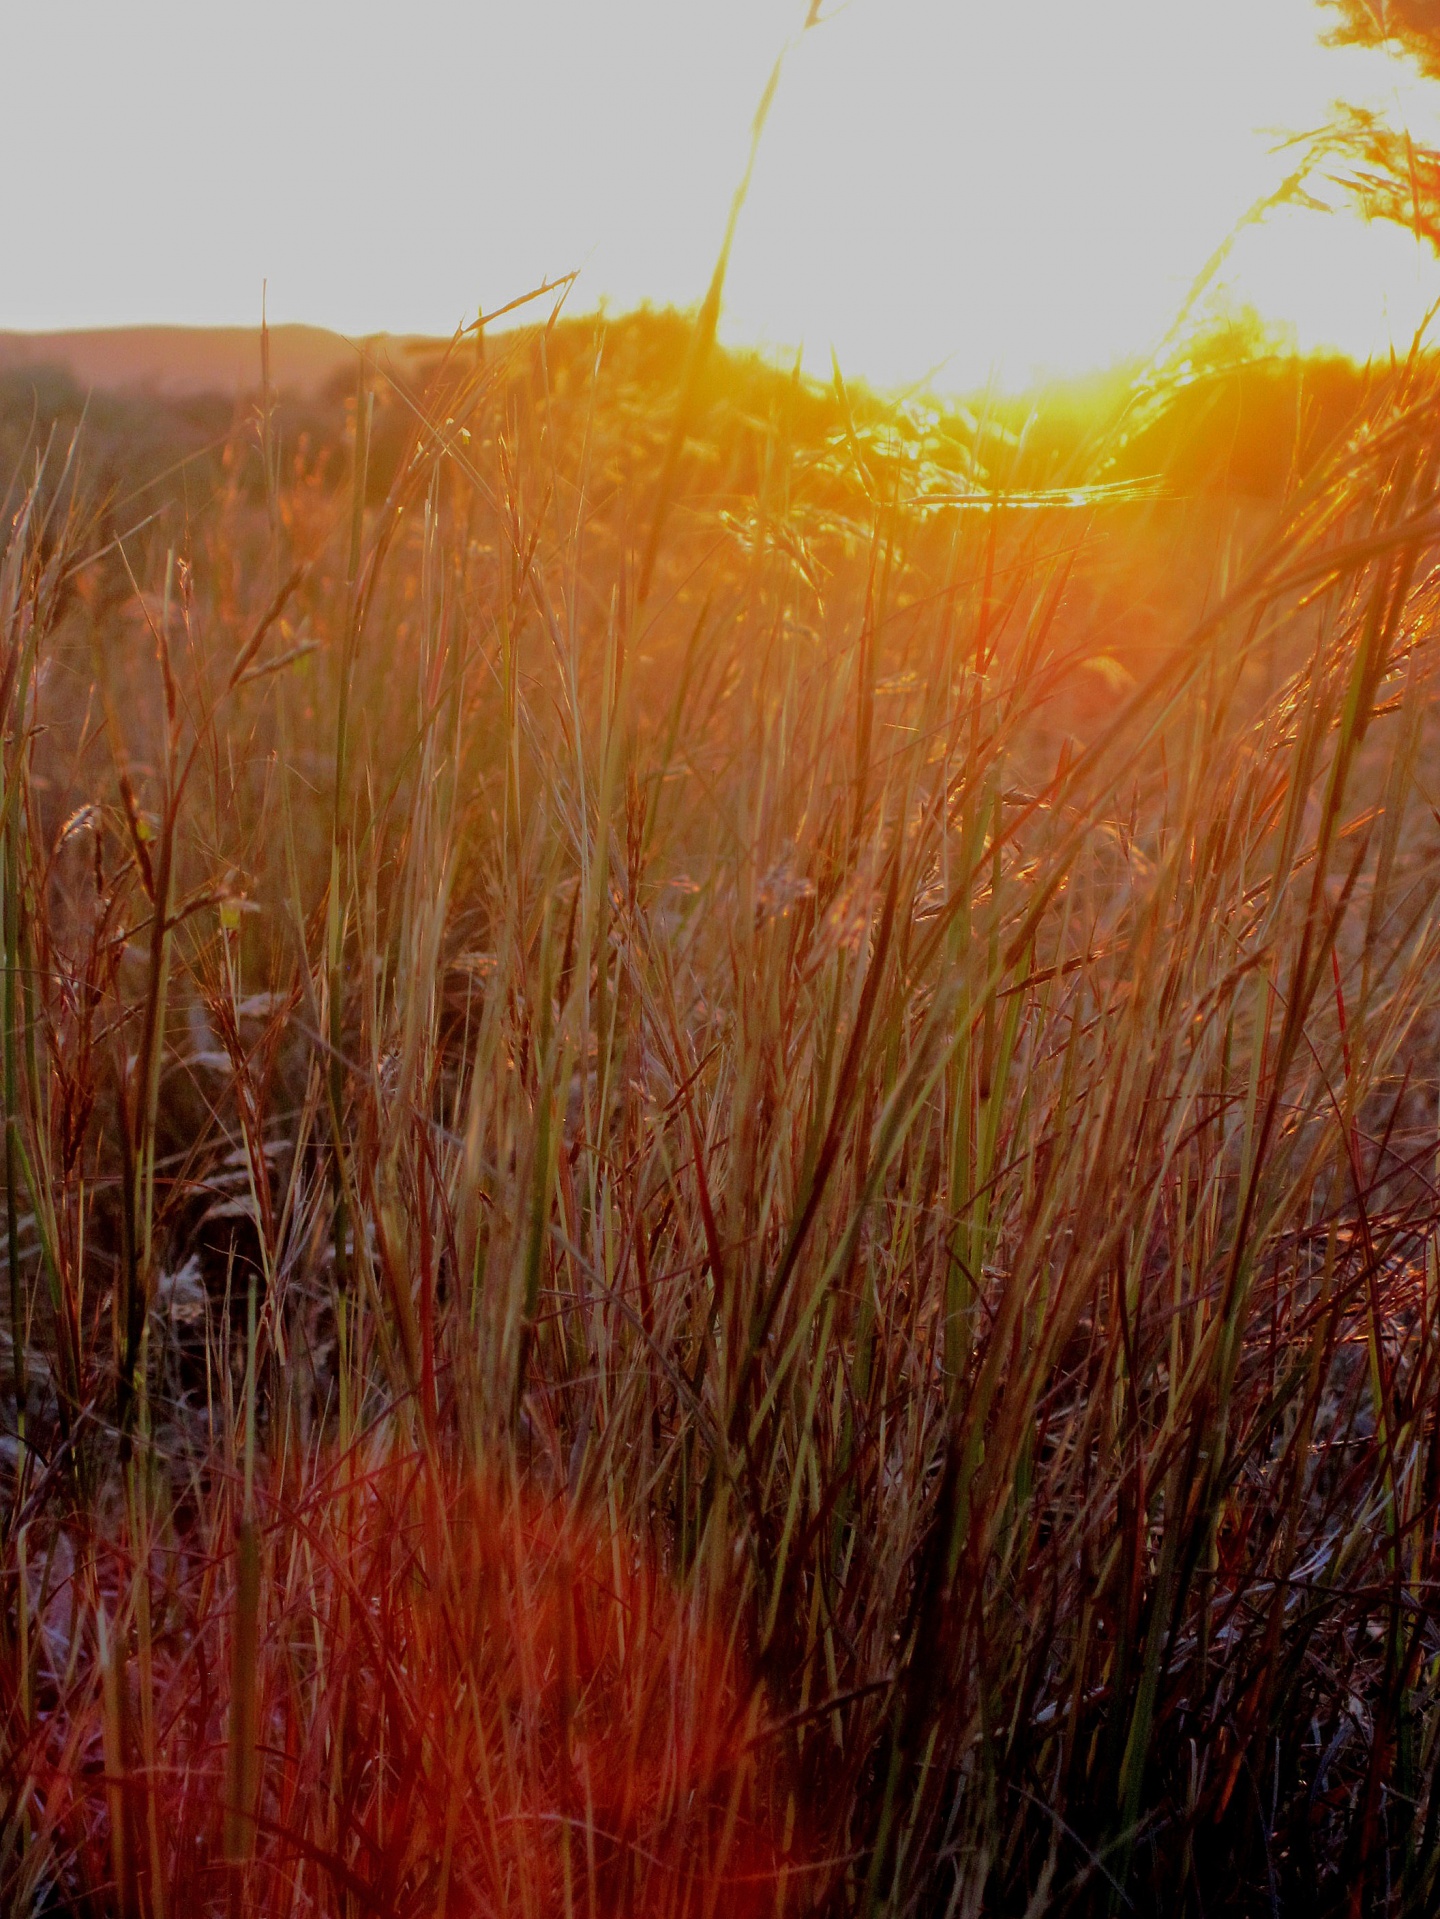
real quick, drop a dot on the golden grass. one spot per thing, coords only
(727, 1219)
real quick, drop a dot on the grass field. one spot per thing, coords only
(720, 1145)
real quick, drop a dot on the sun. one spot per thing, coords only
(971, 194)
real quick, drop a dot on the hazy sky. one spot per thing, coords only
(959, 185)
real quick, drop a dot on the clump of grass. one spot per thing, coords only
(760, 1246)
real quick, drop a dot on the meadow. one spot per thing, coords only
(721, 1119)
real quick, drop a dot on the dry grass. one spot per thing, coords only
(766, 1246)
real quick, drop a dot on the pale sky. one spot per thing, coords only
(969, 188)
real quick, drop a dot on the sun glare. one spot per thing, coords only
(1004, 192)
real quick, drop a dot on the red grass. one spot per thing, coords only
(468, 1699)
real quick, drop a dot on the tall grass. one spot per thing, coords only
(761, 1246)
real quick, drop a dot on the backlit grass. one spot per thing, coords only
(721, 1162)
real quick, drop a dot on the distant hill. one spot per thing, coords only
(175, 362)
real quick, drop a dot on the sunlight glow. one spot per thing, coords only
(945, 189)
(1001, 192)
